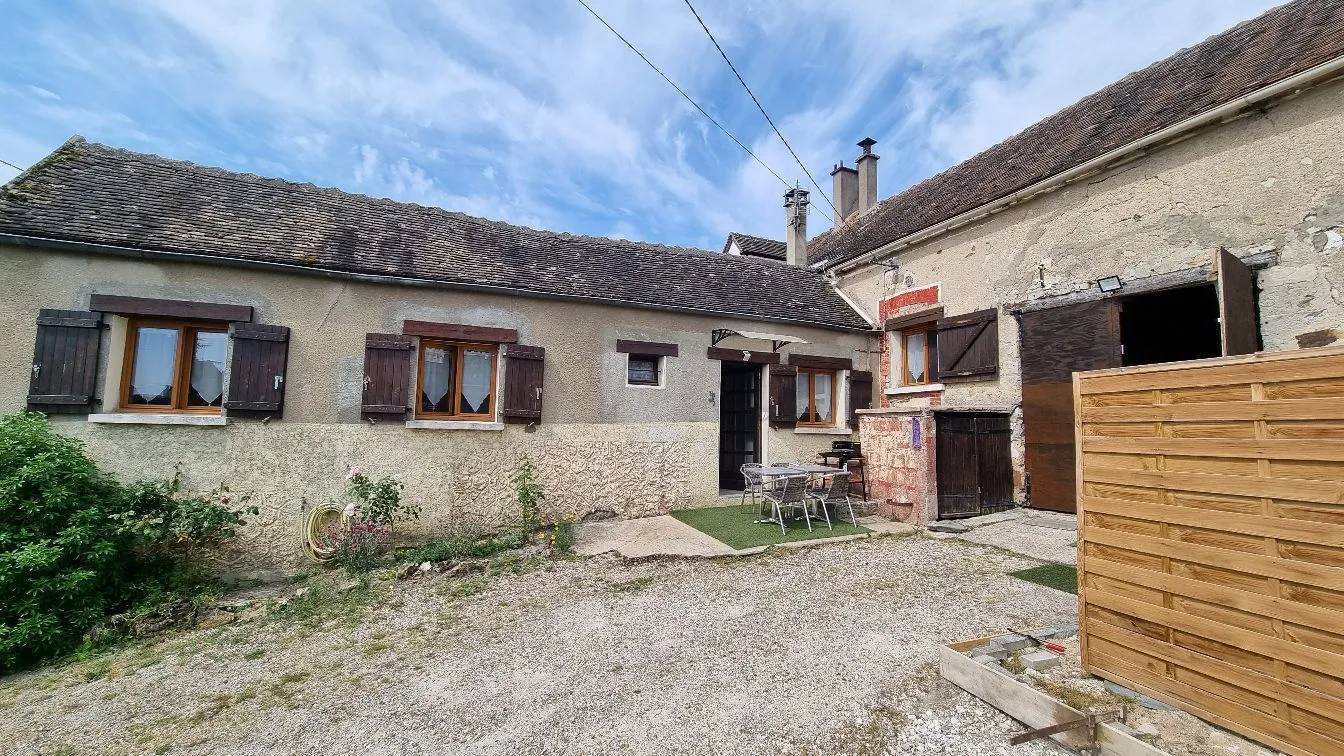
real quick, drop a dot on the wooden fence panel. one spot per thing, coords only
(1211, 539)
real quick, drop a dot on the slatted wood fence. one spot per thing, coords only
(1211, 542)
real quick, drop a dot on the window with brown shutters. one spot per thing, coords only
(783, 396)
(860, 394)
(65, 361)
(968, 346)
(387, 373)
(524, 371)
(257, 368)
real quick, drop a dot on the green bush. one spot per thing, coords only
(76, 546)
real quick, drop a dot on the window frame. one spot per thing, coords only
(657, 370)
(810, 373)
(186, 335)
(460, 348)
(930, 332)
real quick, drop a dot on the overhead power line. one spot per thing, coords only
(761, 108)
(11, 165)
(692, 101)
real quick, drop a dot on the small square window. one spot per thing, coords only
(643, 370)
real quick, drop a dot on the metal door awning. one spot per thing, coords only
(777, 340)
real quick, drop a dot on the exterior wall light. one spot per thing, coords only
(1109, 284)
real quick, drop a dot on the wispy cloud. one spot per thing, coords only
(531, 112)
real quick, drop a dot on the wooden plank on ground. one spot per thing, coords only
(1030, 706)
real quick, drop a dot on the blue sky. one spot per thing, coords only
(530, 111)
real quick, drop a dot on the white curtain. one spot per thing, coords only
(823, 389)
(438, 371)
(155, 358)
(476, 381)
(207, 368)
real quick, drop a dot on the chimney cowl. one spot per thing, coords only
(795, 229)
(867, 163)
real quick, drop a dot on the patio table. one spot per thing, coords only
(786, 471)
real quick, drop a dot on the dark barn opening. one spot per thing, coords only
(1170, 326)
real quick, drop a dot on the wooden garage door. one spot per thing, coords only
(1055, 343)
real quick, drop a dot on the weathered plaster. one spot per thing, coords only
(459, 477)
(1273, 180)
(601, 445)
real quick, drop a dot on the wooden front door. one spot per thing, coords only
(974, 464)
(1055, 343)
(739, 422)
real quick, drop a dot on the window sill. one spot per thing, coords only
(146, 418)
(476, 425)
(806, 431)
(927, 388)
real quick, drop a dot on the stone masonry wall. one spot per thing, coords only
(900, 476)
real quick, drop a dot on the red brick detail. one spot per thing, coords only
(928, 295)
(899, 475)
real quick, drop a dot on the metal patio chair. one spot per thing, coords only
(835, 493)
(791, 494)
(755, 484)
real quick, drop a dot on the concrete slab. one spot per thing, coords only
(1040, 660)
(667, 536)
(646, 536)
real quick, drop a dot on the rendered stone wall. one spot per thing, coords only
(901, 477)
(1273, 180)
(458, 477)
(601, 445)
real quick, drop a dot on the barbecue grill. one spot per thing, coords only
(848, 454)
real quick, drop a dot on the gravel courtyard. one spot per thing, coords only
(823, 650)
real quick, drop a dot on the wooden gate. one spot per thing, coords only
(974, 464)
(1211, 544)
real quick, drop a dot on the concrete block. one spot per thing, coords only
(1012, 642)
(1040, 660)
(994, 651)
(985, 660)
(1042, 633)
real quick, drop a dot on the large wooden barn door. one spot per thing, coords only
(1055, 343)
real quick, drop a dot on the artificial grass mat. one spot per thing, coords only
(733, 526)
(1061, 577)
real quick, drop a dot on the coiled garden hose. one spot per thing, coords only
(319, 521)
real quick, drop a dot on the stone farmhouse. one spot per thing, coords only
(270, 334)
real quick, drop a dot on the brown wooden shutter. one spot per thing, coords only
(1236, 304)
(387, 373)
(257, 369)
(860, 394)
(65, 362)
(524, 371)
(968, 345)
(783, 396)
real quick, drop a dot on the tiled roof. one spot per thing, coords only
(1281, 43)
(755, 246)
(93, 193)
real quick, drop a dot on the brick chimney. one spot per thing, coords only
(795, 232)
(845, 190)
(867, 176)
